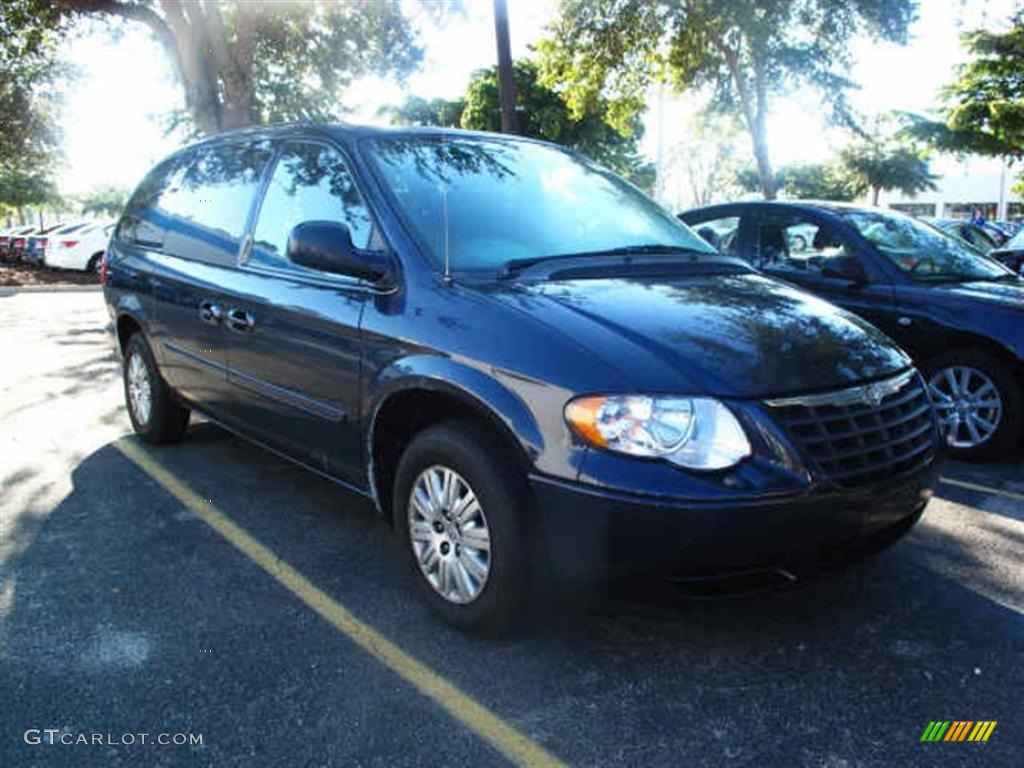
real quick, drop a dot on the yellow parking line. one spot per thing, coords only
(516, 746)
(983, 488)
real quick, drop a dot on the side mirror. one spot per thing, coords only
(327, 246)
(844, 268)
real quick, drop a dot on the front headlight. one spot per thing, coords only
(693, 432)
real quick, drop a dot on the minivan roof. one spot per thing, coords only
(350, 132)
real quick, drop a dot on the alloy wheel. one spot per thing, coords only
(449, 534)
(968, 405)
(140, 390)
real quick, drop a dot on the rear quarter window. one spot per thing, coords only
(145, 217)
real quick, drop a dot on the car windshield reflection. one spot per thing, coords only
(921, 251)
(488, 202)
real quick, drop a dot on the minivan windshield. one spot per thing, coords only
(922, 251)
(508, 200)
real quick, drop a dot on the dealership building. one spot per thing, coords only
(963, 185)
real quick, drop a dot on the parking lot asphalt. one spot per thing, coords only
(125, 610)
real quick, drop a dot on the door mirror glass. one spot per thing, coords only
(327, 246)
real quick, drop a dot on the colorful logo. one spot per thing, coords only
(958, 730)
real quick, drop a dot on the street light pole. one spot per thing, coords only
(506, 82)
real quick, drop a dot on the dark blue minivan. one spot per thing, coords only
(531, 368)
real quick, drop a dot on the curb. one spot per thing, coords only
(11, 290)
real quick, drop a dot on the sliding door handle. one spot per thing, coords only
(210, 313)
(240, 320)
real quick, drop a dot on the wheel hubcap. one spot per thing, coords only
(139, 390)
(449, 534)
(968, 405)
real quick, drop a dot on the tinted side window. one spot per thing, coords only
(209, 207)
(721, 234)
(311, 182)
(794, 242)
(145, 217)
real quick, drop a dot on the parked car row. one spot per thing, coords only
(76, 245)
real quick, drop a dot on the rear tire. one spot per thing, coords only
(438, 532)
(988, 382)
(155, 414)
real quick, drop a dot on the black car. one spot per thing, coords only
(1011, 255)
(529, 367)
(959, 313)
(972, 234)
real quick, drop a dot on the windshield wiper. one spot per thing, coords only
(515, 266)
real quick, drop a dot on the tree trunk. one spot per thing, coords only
(193, 36)
(759, 134)
(874, 195)
(506, 78)
(764, 163)
(755, 111)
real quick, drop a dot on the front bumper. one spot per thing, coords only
(584, 530)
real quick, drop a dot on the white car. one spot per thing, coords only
(82, 248)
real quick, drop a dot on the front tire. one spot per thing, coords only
(458, 508)
(155, 414)
(94, 263)
(978, 402)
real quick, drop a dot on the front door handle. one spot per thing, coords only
(210, 313)
(240, 320)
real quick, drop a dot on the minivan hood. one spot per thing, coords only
(733, 336)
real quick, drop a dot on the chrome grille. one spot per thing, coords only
(863, 434)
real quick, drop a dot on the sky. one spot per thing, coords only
(114, 113)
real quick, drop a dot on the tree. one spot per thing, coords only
(29, 139)
(818, 181)
(875, 165)
(984, 105)
(746, 51)
(245, 62)
(24, 188)
(419, 111)
(506, 80)
(543, 115)
(704, 158)
(105, 200)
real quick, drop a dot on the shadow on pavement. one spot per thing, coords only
(120, 587)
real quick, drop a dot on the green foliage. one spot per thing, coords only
(542, 114)
(745, 51)
(242, 62)
(105, 200)
(419, 111)
(704, 158)
(806, 181)
(324, 46)
(21, 188)
(878, 165)
(29, 139)
(818, 181)
(984, 105)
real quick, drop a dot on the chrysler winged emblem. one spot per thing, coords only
(873, 394)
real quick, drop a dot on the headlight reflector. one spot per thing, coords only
(693, 432)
